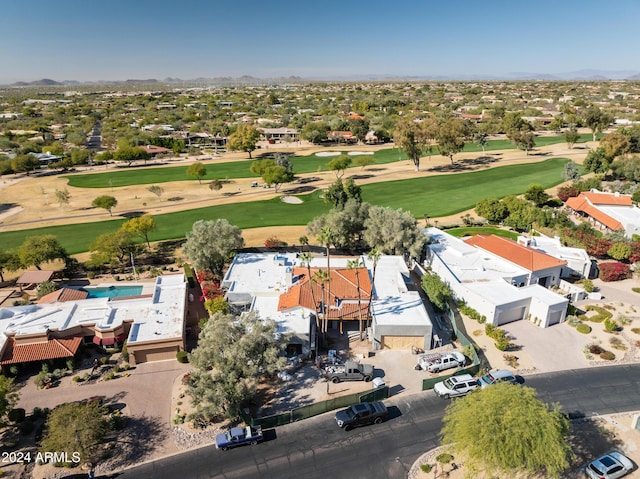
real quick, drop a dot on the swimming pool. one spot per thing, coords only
(113, 291)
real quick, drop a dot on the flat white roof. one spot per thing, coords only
(159, 317)
(553, 247)
(627, 215)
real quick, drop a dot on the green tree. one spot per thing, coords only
(113, 248)
(81, 157)
(36, 250)
(506, 430)
(597, 161)
(25, 163)
(8, 398)
(412, 138)
(129, 154)
(140, 226)
(210, 243)
(76, 428)
(363, 161)
(356, 264)
(105, 202)
(536, 193)
(596, 120)
(156, 190)
(216, 305)
(450, 137)
(244, 138)
(232, 353)
(339, 164)
(620, 251)
(346, 223)
(627, 168)
(437, 290)
(215, 185)
(393, 231)
(481, 139)
(306, 259)
(276, 176)
(523, 140)
(9, 261)
(493, 210)
(571, 136)
(315, 132)
(197, 170)
(616, 144)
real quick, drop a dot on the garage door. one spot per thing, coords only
(150, 355)
(402, 342)
(511, 315)
(554, 318)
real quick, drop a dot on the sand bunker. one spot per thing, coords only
(291, 199)
(328, 153)
(358, 153)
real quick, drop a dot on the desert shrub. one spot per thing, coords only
(602, 315)
(503, 343)
(595, 349)
(572, 320)
(511, 360)
(77, 379)
(635, 290)
(444, 458)
(426, 468)
(614, 271)
(16, 415)
(182, 357)
(616, 343)
(607, 356)
(273, 242)
(125, 353)
(636, 330)
(587, 285)
(583, 328)
(610, 325)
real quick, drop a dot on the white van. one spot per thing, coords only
(456, 386)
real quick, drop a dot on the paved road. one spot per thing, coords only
(316, 448)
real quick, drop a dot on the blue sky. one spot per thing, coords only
(122, 39)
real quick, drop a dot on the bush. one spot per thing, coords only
(616, 343)
(607, 356)
(595, 349)
(635, 290)
(572, 320)
(635, 330)
(16, 415)
(614, 271)
(587, 285)
(77, 379)
(125, 353)
(426, 468)
(182, 357)
(602, 315)
(610, 325)
(444, 458)
(503, 343)
(583, 328)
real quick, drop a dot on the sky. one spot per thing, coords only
(139, 39)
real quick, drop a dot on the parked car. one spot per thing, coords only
(239, 436)
(434, 363)
(349, 371)
(497, 376)
(361, 415)
(456, 386)
(609, 466)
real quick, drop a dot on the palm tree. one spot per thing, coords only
(325, 237)
(356, 264)
(306, 258)
(374, 255)
(322, 276)
(304, 241)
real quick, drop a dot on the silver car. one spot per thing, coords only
(609, 466)
(498, 376)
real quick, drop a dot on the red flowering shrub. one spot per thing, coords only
(614, 271)
(274, 242)
(592, 242)
(566, 192)
(635, 252)
(204, 276)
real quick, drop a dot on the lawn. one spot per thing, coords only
(436, 196)
(122, 176)
(484, 230)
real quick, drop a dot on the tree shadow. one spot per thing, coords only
(139, 438)
(298, 190)
(133, 214)
(7, 206)
(589, 438)
(361, 177)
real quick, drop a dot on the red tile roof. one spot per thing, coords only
(44, 351)
(585, 203)
(37, 277)
(508, 249)
(343, 292)
(154, 150)
(64, 294)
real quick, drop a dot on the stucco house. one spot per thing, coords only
(152, 323)
(501, 282)
(607, 211)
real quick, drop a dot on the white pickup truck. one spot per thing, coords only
(434, 363)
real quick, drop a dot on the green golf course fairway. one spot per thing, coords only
(437, 196)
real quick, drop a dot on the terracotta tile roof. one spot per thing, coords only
(607, 199)
(585, 204)
(343, 292)
(51, 349)
(31, 277)
(527, 258)
(64, 294)
(153, 150)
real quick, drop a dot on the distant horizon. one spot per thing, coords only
(160, 39)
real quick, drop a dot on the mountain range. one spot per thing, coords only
(579, 75)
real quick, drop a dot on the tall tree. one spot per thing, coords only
(76, 428)
(8, 262)
(105, 202)
(413, 138)
(356, 264)
(571, 172)
(156, 190)
(36, 250)
(597, 161)
(113, 248)
(571, 136)
(325, 237)
(506, 429)
(536, 193)
(393, 231)
(374, 256)
(232, 353)
(596, 120)
(450, 137)
(339, 164)
(306, 259)
(197, 170)
(141, 226)
(210, 243)
(244, 138)
(481, 139)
